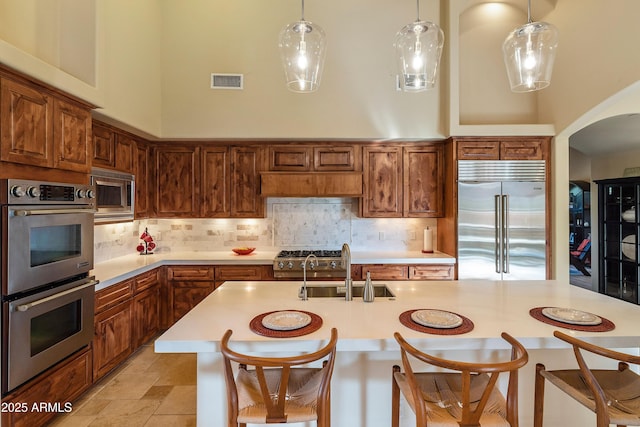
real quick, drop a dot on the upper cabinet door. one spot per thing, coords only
(124, 152)
(215, 182)
(424, 181)
(72, 136)
(246, 164)
(25, 125)
(103, 146)
(382, 182)
(142, 180)
(177, 173)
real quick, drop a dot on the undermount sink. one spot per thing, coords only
(330, 291)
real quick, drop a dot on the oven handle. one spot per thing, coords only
(25, 307)
(28, 212)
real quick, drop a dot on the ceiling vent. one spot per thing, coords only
(226, 81)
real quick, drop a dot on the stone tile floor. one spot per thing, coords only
(149, 389)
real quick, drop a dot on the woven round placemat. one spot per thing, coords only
(606, 325)
(256, 326)
(467, 325)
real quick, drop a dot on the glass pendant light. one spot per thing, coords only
(418, 50)
(529, 52)
(302, 48)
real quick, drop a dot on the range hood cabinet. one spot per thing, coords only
(307, 184)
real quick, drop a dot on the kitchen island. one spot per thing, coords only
(361, 386)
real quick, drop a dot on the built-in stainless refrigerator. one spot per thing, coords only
(501, 220)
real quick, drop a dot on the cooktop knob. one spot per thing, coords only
(81, 193)
(281, 265)
(290, 264)
(332, 264)
(18, 191)
(91, 194)
(33, 192)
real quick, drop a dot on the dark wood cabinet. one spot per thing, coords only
(177, 173)
(382, 182)
(318, 157)
(188, 286)
(146, 307)
(403, 181)
(25, 125)
(103, 145)
(423, 178)
(71, 137)
(216, 198)
(113, 148)
(201, 181)
(43, 129)
(404, 272)
(502, 148)
(246, 164)
(141, 173)
(59, 385)
(112, 341)
(618, 232)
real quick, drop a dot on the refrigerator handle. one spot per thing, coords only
(505, 233)
(498, 231)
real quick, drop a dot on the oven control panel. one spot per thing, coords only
(37, 192)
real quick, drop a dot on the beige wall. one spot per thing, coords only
(151, 61)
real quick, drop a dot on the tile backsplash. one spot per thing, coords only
(291, 223)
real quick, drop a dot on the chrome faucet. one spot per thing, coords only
(348, 283)
(303, 292)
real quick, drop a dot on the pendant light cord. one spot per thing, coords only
(302, 19)
(417, 10)
(528, 11)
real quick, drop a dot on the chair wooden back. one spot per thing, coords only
(600, 395)
(275, 405)
(519, 358)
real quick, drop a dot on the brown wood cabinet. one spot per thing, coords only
(177, 172)
(113, 148)
(25, 124)
(403, 272)
(146, 307)
(403, 181)
(382, 182)
(142, 160)
(319, 157)
(188, 285)
(71, 136)
(216, 195)
(112, 342)
(42, 128)
(423, 181)
(246, 164)
(128, 314)
(200, 181)
(502, 148)
(59, 385)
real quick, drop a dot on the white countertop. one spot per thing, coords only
(493, 306)
(126, 267)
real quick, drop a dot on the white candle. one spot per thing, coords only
(427, 245)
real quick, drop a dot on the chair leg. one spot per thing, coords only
(538, 400)
(395, 398)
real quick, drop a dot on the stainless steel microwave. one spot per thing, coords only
(115, 195)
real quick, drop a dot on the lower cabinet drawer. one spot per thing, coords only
(431, 272)
(190, 273)
(56, 388)
(385, 272)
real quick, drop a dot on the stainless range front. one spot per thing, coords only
(326, 264)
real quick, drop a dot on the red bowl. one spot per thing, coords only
(243, 251)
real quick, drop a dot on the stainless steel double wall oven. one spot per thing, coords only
(47, 293)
